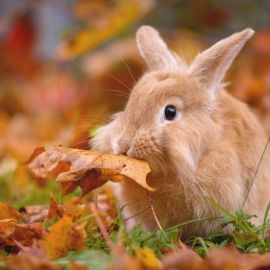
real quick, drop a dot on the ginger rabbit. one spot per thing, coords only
(198, 139)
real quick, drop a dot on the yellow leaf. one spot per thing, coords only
(126, 13)
(147, 257)
(63, 237)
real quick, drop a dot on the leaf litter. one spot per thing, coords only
(20, 133)
(84, 232)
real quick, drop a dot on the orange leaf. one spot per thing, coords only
(8, 212)
(64, 236)
(27, 262)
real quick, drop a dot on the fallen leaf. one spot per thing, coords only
(11, 230)
(30, 262)
(63, 237)
(57, 210)
(7, 228)
(123, 261)
(184, 259)
(226, 258)
(36, 249)
(87, 169)
(9, 212)
(147, 258)
(34, 213)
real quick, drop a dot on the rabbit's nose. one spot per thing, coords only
(123, 146)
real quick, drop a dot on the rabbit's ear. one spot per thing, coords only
(154, 50)
(211, 65)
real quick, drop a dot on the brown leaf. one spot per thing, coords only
(222, 259)
(57, 210)
(25, 234)
(68, 187)
(7, 228)
(185, 259)
(87, 169)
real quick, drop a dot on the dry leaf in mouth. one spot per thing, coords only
(85, 168)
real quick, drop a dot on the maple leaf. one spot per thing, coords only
(87, 169)
(64, 236)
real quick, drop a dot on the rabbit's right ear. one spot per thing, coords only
(154, 50)
(211, 65)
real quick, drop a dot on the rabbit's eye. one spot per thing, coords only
(170, 112)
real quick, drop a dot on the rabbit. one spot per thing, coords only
(200, 141)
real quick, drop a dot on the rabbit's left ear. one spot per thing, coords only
(211, 65)
(154, 50)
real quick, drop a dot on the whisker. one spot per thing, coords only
(81, 141)
(118, 92)
(86, 126)
(126, 65)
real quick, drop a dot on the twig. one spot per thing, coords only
(137, 214)
(256, 172)
(153, 211)
(101, 226)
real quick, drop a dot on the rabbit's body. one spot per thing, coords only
(210, 148)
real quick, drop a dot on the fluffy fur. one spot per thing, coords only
(212, 148)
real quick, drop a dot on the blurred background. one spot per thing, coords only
(66, 65)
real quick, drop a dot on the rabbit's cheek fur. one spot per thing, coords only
(187, 140)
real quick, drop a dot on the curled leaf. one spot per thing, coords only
(87, 169)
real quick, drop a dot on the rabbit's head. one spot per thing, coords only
(169, 118)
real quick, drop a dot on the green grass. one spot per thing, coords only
(247, 237)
